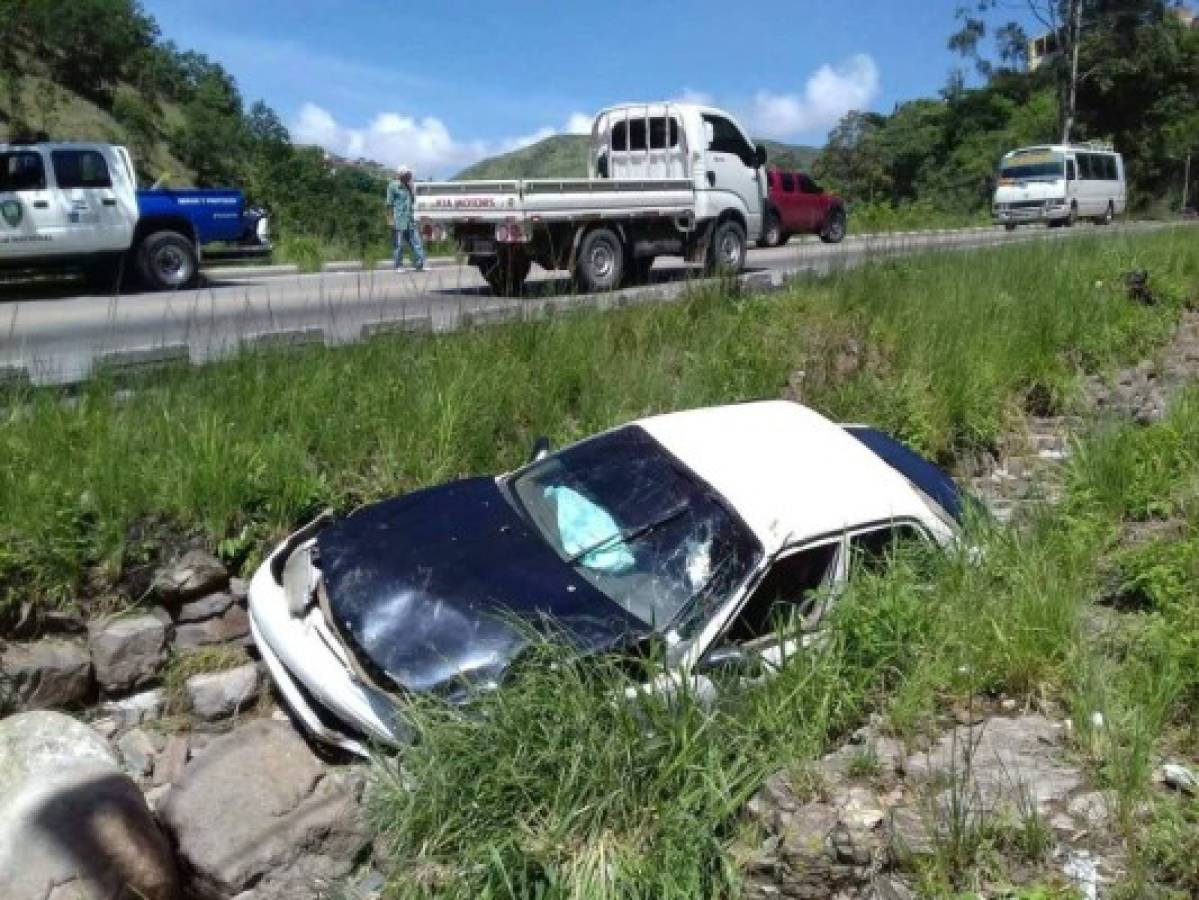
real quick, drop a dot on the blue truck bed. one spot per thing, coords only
(217, 214)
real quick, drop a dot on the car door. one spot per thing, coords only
(730, 169)
(810, 203)
(95, 219)
(787, 203)
(31, 224)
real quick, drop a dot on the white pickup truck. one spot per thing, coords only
(663, 179)
(77, 206)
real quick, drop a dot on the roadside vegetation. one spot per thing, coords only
(946, 351)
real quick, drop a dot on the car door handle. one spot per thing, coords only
(40, 204)
(109, 201)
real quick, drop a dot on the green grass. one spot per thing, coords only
(873, 218)
(943, 350)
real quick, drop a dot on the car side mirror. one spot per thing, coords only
(729, 659)
(541, 449)
(759, 156)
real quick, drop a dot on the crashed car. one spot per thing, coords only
(692, 529)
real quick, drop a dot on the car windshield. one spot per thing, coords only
(636, 525)
(1026, 166)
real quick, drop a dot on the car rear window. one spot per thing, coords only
(926, 476)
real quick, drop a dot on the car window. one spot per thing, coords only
(929, 478)
(637, 525)
(872, 551)
(807, 185)
(22, 170)
(1086, 168)
(727, 138)
(790, 588)
(787, 182)
(80, 169)
(1071, 172)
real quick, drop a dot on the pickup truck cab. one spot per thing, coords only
(75, 205)
(663, 179)
(798, 205)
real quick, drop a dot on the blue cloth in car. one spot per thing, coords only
(582, 524)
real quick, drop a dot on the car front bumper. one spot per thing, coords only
(306, 662)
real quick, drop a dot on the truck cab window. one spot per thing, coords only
(22, 170)
(80, 169)
(787, 182)
(727, 138)
(789, 588)
(630, 134)
(1071, 173)
(808, 186)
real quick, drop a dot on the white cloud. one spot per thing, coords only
(425, 145)
(831, 92)
(699, 98)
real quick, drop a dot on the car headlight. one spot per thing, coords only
(299, 580)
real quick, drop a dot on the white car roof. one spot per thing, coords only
(790, 473)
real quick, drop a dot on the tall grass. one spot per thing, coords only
(943, 350)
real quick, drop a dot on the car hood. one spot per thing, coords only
(442, 588)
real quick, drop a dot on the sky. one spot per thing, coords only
(438, 85)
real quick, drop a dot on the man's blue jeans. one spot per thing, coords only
(409, 237)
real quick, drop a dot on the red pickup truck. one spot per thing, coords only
(797, 205)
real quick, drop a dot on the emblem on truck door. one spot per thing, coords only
(11, 211)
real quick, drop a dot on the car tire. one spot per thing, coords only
(1009, 226)
(505, 273)
(167, 261)
(772, 234)
(600, 262)
(1109, 215)
(1072, 218)
(833, 229)
(727, 249)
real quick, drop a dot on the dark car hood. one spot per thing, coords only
(441, 588)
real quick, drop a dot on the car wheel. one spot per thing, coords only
(167, 261)
(505, 273)
(833, 230)
(772, 235)
(726, 252)
(1109, 215)
(600, 264)
(1072, 217)
(1009, 226)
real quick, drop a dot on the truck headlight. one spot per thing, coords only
(299, 580)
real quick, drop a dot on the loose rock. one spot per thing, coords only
(48, 674)
(204, 608)
(71, 823)
(137, 751)
(127, 652)
(216, 695)
(259, 809)
(193, 575)
(1180, 778)
(168, 767)
(147, 706)
(232, 625)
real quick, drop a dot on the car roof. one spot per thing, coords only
(790, 473)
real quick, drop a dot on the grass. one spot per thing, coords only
(310, 253)
(943, 350)
(184, 664)
(875, 218)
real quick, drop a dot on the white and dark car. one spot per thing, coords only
(691, 529)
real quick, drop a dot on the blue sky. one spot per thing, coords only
(441, 84)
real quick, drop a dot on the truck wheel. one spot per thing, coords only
(506, 273)
(1109, 215)
(833, 230)
(600, 263)
(166, 261)
(1009, 226)
(726, 252)
(772, 235)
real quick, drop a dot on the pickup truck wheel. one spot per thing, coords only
(726, 253)
(772, 235)
(833, 230)
(506, 273)
(167, 261)
(600, 263)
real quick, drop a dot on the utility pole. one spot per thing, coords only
(1186, 183)
(1075, 34)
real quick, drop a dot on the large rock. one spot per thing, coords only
(204, 608)
(127, 652)
(230, 626)
(47, 674)
(194, 574)
(72, 825)
(216, 695)
(258, 808)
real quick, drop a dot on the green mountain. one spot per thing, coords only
(565, 156)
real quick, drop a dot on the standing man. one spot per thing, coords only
(400, 204)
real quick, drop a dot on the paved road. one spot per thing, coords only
(51, 335)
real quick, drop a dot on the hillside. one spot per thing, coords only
(565, 156)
